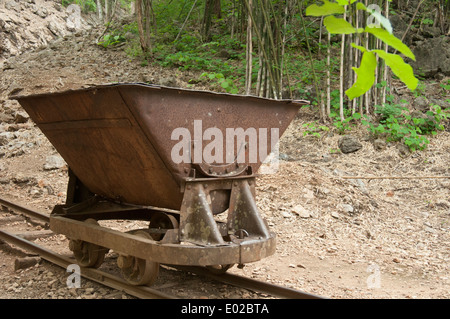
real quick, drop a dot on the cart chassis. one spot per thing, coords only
(194, 238)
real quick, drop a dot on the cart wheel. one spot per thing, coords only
(161, 221)
(137, 271)
(88, 254)
(219, 269)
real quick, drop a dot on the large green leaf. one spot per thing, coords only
(345, 2)
(326, 9)
(338, 26)
(391, 40)
(365, 75)
(400, 68)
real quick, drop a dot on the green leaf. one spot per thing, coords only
(338, 26)
(366, 76)
(391, 40)
(326, 9)
(401, 69)
(356, 116)
(360, 48)
(360, 6)
(345, 2)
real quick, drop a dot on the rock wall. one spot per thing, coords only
(29, 24)
(430, 44)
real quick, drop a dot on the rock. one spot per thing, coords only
(21, 117)
(403, 150)
(42, 12)
(431, 32)
(432, 56)
(22, 179)
(444, 104)
(6, 118)
(379, 144)
(286, 214)
(3, 140)
(349, 144)
(301, 211)
(308, 194)
(54, 28)
(421, 104)
(26, 262)
(169, 81)
(14, 89)
(54, 162)
(361, 185)
(12, 5)
(347, 208)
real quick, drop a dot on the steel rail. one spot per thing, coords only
(251, 284)
(96, 275)
(28, 211)
(144, 291)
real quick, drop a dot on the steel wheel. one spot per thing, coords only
(137, 271)
(219, 269)
(88, 254)
(161, 221)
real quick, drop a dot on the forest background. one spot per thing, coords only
(344, 56)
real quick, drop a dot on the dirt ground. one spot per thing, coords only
(336, 237)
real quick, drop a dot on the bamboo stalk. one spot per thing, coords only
(316, 82)
(248, 53)
(328, 75)
(341, 83)
(184, 23)
(385, 74)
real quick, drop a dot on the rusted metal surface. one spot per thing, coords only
(176, 254)
(197, 224)
(117, 139)
(119, 142)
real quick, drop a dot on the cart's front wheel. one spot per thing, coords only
(137, 271)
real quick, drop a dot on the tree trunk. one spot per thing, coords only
(249, 52)
(212, 8)
(144, 14)
(100, 10)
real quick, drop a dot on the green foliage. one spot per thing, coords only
(326, 9)
(189, 53)
(85, 5)
(445, 86)
(366, 70)
(338, 25)
(117, 36)
(399, 68)
(314, 129)
(111, 40)
(366, 75)
(225, 83)
(347, 124)
(391, 40)
(420, 89)
(398, 124)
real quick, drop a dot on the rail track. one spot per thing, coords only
(143, 292)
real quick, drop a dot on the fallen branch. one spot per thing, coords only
(394, 177)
